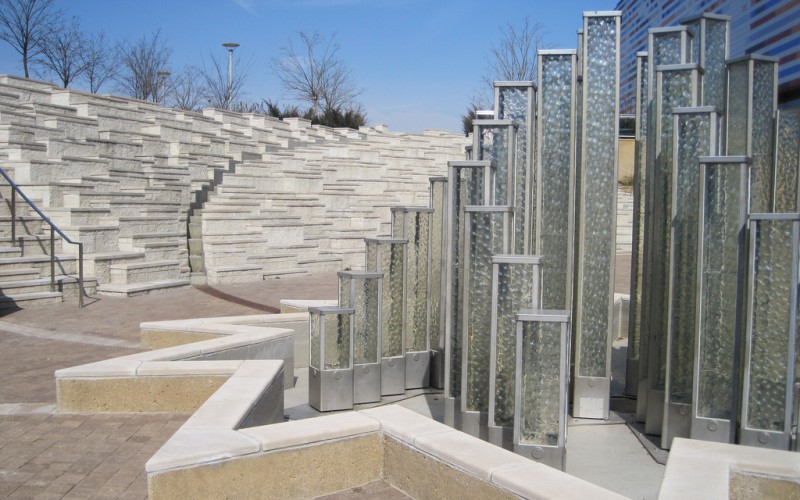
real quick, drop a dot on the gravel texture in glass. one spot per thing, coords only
(556, 156)
(337, 341)
(787, 161)
(539, 404)
(365, 327)
(722, 229)
(769, 337)
(762, 167)
(418, 237)
(515, 105)
(514, 293)
(599, 188)
(314, 342)
(494, 142)
(694, 140)
(639, 204)
(714, 70)
(437, 227)
(486, 240)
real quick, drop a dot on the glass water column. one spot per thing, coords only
(636, 342)
(594, 301)
(555, 175)
(752, 101)
(437, 266)
(361, 291)
(515, 286)
(386, 256)
(677, 85)
(724, 182)
(488, 230)
(771, 331)
(695, 135)
(516, 101)
(468, 183)
(787, 161)
(710, 49)
(330, 365)
(667, 46)
(540, 394)
(414, 226)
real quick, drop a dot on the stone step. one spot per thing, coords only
(142, 272)
(146, 288)
(64, 264)
(234, 274)
(29, 299)
(67, 285)
(25, 273)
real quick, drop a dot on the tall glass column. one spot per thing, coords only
(787, 161)
(437, 291)
(330, 365)
(361, 291)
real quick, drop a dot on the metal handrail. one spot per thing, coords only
(53, 229)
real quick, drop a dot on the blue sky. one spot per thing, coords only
(419, 62)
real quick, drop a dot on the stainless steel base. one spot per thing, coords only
(437, 369)
(592, 397)
(654, 417)
(418, 372)
(548, 455)
(502, 436)
(330, 390)
(632, 377)
(641, 401)
(475, 424)
(677, 423)
(393, 376)
(712, 429)
(367, 383)
(765, 439)
(452, 412)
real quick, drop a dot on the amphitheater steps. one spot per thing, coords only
(137, 289)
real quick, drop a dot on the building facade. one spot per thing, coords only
(768, 27)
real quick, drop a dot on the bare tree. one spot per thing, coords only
(140, 63)
(60, 53)
(513, 57)
(215, 77)
(23, 25)
(313, 73)
(100, 65)
(188, 92)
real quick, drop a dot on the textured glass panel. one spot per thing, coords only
(344, 291)
(398, 223)
(787, 161)
(468, 189)
(666, 48)
(514, 293)
(314, 344)
(494, 143)
(365, 328)
(676, 90)
(437, 227)
(486, 240)
(694, 140)
(763, 139)
(772, 283)
(337, 341)
(694, 41)
(391, 265)
(714, 55)
(738, 92)
(371, 256)
(639, 206)
(555, 161)
(599, 189)
(541, 359)
(418, 236)
(719, 275)
(514, 105)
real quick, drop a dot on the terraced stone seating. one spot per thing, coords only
(160, 197)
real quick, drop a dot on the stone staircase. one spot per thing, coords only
(161, 197)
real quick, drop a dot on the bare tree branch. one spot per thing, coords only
(513, 57)
(188, 92)
(140, 64)
(61, 53)
(100, 65)
(313, 73)
(23, 24)
(214, 75)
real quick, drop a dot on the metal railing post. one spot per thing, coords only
(80, 274)
(52, 259)
(13, 215)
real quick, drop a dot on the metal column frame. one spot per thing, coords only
(393, 370)
(550, 176)
(682, 294)
(711, 425)
(475, 419)
(483, 171)
(526, 151)
(329, 389)
(665, 46)
(637, 343)
(503, 341)
(667, 76)
(786, 180)
(501, 179)
(757, 111)
(711, 56)
(764, 437)
(366, 376)
(591, 397)
(554, 456)
(438, 267)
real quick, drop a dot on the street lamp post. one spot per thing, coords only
(163, 75)
(230, 46)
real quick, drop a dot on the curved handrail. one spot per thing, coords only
(53, 229)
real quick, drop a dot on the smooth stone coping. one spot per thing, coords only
(702, 469)
(303, 305)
